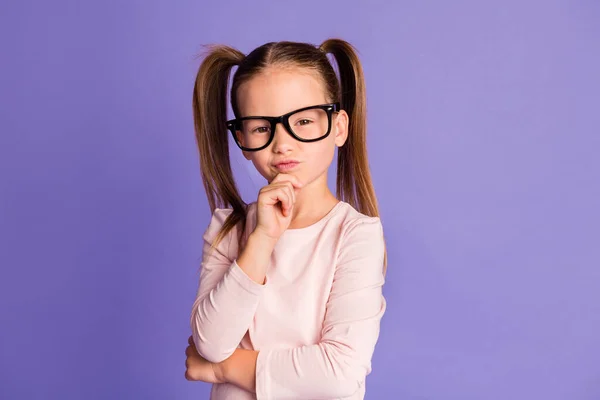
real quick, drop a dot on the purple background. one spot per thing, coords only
(483, 138)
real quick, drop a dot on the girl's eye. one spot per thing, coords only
(261, 129)
(304, 122)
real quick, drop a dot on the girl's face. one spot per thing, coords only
(277, 91)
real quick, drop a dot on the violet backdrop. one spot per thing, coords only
(483, 140)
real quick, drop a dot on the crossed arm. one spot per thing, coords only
(336, 366)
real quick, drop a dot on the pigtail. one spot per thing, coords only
(210, 114)
(354, 178)
(354, 184)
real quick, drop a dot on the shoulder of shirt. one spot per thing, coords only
(217, 220)
(221, 214)
(354, 224)
(353, 217)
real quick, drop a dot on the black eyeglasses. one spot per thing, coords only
(308, 124)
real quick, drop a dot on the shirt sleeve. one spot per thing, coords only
(337, 366)
(227, 298)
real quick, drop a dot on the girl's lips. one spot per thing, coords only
(287, 166)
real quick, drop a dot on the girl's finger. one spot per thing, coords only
(289, 178)
(283, 197)
(290, 191)
(286, 203)
(289, 187)
(269, 195)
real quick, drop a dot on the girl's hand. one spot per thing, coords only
(199, 369)
(275, 204)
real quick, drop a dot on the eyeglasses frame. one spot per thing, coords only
(234, 124)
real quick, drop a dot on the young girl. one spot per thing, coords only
(290, 296)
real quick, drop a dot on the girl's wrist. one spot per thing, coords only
(239, 369)
(220, 372)
(263, 238)
(261, 244)
(254, 258)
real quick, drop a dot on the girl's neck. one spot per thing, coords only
(311, 206)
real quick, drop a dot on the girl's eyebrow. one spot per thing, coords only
(291, 111)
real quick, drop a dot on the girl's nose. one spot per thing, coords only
(282, 140)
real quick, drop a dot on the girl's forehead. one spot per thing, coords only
(277, 91)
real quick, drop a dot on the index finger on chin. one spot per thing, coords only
(281, 177)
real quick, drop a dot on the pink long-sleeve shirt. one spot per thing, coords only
(315, 321)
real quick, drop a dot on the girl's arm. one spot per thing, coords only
(336, 367)
(240, 369)
(229, 291)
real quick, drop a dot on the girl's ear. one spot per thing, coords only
(341, 122)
